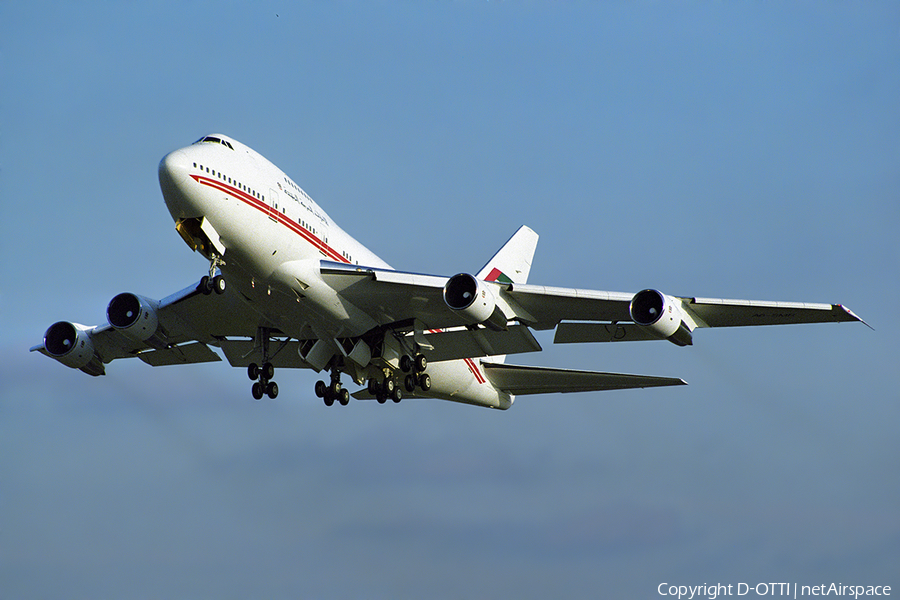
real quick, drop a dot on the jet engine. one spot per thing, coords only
(70, 344)
(662, 315)
(133, 316)
(474, 300)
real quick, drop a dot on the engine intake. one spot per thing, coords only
(69, 343)
(133, 316)
(474, 300)
(662, 315)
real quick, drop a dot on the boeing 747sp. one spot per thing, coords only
(288, 288)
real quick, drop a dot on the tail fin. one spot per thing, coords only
(512, 262)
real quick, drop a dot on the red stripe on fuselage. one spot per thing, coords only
(272, 213)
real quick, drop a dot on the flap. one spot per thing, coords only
(582, 333)
(179, 355)
(469, 343)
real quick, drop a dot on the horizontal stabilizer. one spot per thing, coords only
(521, 380)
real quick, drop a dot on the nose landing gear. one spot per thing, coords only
(212, 282)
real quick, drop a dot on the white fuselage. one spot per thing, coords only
(272, 237)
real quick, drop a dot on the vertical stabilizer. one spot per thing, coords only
(512, 263)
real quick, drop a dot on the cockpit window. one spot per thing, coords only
(215, 140)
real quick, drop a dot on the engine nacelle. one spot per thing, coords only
(662, 315)
(70, 344)
(474, 300)
(133, 316)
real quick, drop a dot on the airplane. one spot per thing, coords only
(287, 288)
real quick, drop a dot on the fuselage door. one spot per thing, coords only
(272, 204)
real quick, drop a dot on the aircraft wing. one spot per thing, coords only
(391, 297)
(189, 322)
(395, 298)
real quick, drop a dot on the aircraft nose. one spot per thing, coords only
(173, 173)
(173, 168)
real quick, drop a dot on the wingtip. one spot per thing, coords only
(854, 316)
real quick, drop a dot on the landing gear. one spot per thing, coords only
(262, 375)
(418, 363)
(425, 382)
(212, 282)
(384, 389)
(264, 385)
(390, 388)
(333, 391)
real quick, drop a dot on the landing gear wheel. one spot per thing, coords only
(397, 395)
(253, 371)
(425, 382)
(205, 285)
(272, 390)
(344, 397)
(372, 387)
(381, 398)
(218, 284)
(334, 389)
(409, 383)
(406, 363)
(388, 386)
(268, 370)
(321, 389)
(329, 399)
(421, 363)
(257, 391)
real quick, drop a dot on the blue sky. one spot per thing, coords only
(736, 150)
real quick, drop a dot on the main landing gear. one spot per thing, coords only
(333, 391)
(384, 388)
(263, 377)
(416, 378)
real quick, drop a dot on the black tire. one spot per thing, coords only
(272, 390)
(257, 391)
(329, 399)
(397, 395)
(409, 383)
(421, 363)
(425, 382)
(381, 398)
(372, 387)
(344, 398)
(268, 370)
(335, 388)
(321, 389)
(406, 363)
(253, 371)
(205, 285)
(218, 284)
(388, 386)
